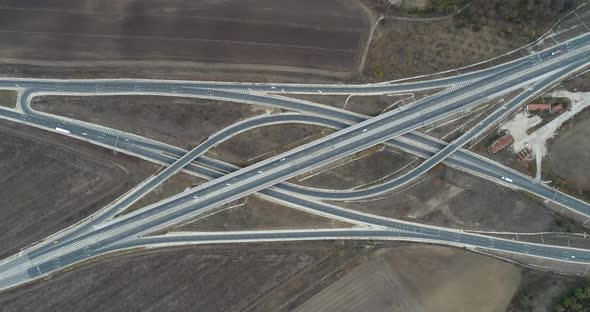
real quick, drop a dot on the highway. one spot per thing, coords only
(408, 234)
(381, 229)
(298, 118)
(353, 117)
(307, 156)
(142, 189)
(326, 150)
(487, 123)
(244, 181)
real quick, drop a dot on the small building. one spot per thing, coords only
(537, 107)
(500, 144)
(544, 108)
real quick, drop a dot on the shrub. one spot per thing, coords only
(379, 73)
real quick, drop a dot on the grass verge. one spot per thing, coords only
(8, 98)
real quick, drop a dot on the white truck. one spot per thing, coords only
(507, 179)
(62, 130)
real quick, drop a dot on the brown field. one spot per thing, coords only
(260, 143)
(421, 278)
(396, 53)
(362, 169)
(49, 181)
(326, 36)
(451, 198)
(182, 122)
(192, 279)
(580, 83)
(256, 213)
(569, 152)
(278, 277)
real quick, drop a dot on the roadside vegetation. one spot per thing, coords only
(540, 291)
(8, 98)
(514, 19)
(453, 33)
(576, 300)
(517, 11)
(434, 8)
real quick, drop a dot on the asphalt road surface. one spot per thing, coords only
(269, 172)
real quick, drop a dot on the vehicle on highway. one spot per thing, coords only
(62, 130)
(507, 179)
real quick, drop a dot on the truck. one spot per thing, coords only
(507, 179)
(62, 130)
(555, 52)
